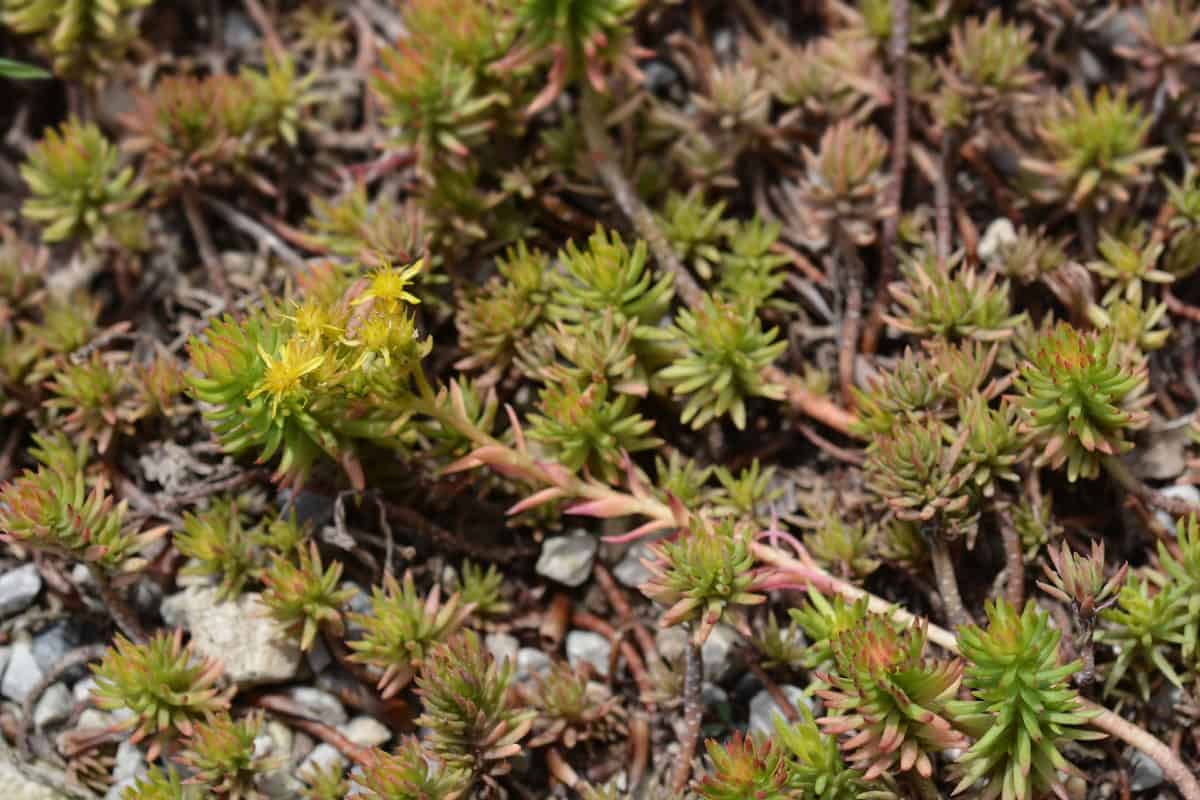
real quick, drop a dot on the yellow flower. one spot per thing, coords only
(312, 320)
(389, 287)
(283, 376)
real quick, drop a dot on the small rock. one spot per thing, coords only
(591, 648)
(366, 731)
(93, 719)
(22, 674)
(763, 708)
(670, 643)
(319, 705)
(568, 559)
(253, 648)
(718, 653)
(630, 571)
(239, 33)
(1146, 774)
(18, 589)
(1181, 491)
(82, 690)
(53, 706)
(531, 661)
(5, 655)
(15, 785)
(999, 233)
(323, 756)
(281, 785)
(130, 761)
(713, 696)
(502, 646)
(318, 657)
(1162, 455)
(56, 641)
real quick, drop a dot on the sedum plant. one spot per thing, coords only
(747, 766)
(1147, 627)
(949, 301)
(222, 754)
(162, 682)
(160, 784)
(815, 767)
(1022, 710)
(1128, 264)
(1096, 148)
(82, 37)
(303, 596)
(473, 721)
(891, 698)
(703, 576)
(1080, 394)
(724, 351)
(572, 710)
(79, 189)
(403, 628)
(411, 773)
(221, 546)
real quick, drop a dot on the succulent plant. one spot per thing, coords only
(162, 682)
(695, 228)
(481, 589)
(1022, 709)
(747, 766)
(891, 698)
(280, 99)
(1147, 627)
(1128, 263)
(1183, 573)
(987, 68)
(403, 628)
(304, 596)
(780, 647)
(82, 37)
(1144, 327)
(589, 427)
(473, 721)
(220, 544)
(1096, 148)
(724, 352)
(843, 192)
(78, 185)
(918, 470)
(222, 753)
(703, 575)
(994, 443)
(53, 510)
(160, 784)
(571, 709)
(822, 620)
(1079, 395)
(947, 300)
(411, 773)
(815, 766)
(750, 273)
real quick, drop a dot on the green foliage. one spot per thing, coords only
(402, 628)
(217, 540)
(695, 229)
(20, 71)
(987, 67)
(221, 752)
(918, 471)
(780, 647)
(95, 398)
(750, 271)
(168, 689)
(951, 301)
(747, 766)
(815, 767)
(586, 428)
(1183, 577)
(823, 619)
(1096, 148)
(843, 548)
(1080, 394)
(746, 495)
(473, 721)
(1081, 581)
(571, 709)
(304, 596)
(1022, 709)
(724, 350)
(608, 275)
(843, 192)
(481, 589)
(411, 773)
(52, 509)
(79, 188)
(993, 443)
(334, 370)
(703, 575)
(1128, 263)
(159, 784)
(493, 322)
(280, 100)
(1147, 627)
(81, 36)
(891, 698)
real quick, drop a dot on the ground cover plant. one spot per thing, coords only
(413, 399)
